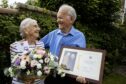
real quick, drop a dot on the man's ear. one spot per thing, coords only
(71, 19)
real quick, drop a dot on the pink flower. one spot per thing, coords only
(46, 70)
(41, 52)
(34, 63)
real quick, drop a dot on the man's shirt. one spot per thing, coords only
(55, 40)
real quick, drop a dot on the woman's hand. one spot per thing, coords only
(81, 79)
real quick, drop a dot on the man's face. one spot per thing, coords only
(64, 20)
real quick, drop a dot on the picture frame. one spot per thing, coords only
(88, 63)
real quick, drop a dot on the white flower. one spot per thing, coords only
(41, 61)
(39, 66)
(63, 75)
(35, 56)
(46, 60)
(39, 56)
(60, 71)
(6, 70)
(11, 74)
(55, 63)
(10, 69)
(39, 73)
(22, 65)
(51, 56)
(28, 72)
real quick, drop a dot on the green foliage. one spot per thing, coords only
(33, 2)
(7, 28)
(98, 13)
(4, 3)
(8, 34)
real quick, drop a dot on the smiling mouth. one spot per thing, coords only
(60, 24)
(36, 31)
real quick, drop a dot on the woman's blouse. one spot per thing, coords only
(19, 48)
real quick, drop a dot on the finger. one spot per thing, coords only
(84, 81)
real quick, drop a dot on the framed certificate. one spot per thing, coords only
(88, 63)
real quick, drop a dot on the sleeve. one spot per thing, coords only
(13, 50)
(81, 41)
(49, 38)
(41, 44)
(45, 40)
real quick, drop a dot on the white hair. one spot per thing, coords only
(26, 23)
(71, 11)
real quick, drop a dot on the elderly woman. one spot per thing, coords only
(29, 31)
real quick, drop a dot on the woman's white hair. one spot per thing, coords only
(26, 23)
(71, 11)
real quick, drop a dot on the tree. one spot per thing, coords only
(33, 2)
(98, 13)
(4, 3)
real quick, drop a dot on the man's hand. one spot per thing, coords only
(81, 79)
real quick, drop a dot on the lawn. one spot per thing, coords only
(114, 78)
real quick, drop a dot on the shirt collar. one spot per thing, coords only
(70, 33)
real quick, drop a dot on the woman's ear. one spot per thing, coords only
(26, 31)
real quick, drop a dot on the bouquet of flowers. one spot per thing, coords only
(32, 65)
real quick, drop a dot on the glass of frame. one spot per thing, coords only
(88, 63)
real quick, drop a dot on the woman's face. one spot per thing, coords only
(33, 31)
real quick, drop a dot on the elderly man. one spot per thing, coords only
(64, 35)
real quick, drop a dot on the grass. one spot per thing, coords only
(114, 78)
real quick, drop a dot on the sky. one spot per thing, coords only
(10, 2)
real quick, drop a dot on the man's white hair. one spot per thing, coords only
(26, 23)
(71, 11)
